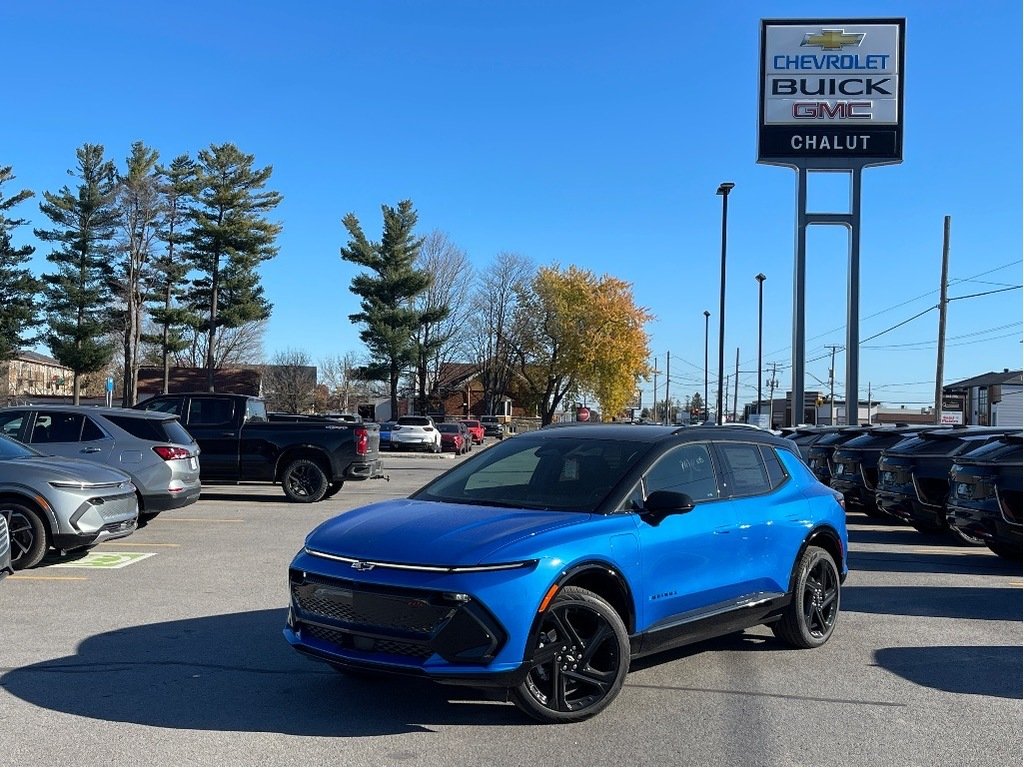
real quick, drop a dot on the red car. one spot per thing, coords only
(453, 438)
(475, 429)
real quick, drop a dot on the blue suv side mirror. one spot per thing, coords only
(661, 504)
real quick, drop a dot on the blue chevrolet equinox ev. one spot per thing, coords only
(546, 563)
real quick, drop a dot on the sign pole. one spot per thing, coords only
(830, 99)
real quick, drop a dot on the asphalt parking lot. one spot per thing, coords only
(168, 651)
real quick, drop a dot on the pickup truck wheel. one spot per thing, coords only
(304, 481)
(333, 488)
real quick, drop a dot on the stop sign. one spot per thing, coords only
(583, 414)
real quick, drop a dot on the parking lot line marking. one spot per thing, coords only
(19, 577)
(105, 560)
(135, 544)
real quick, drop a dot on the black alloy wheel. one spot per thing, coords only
(304, 481)
(579, 659)
(27, 533)
(811, 615)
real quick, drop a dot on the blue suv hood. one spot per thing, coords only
(433, 533)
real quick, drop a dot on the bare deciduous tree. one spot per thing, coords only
(234, 346)
(339, 376)
(491, 331)
(289, 382)
(447, 298)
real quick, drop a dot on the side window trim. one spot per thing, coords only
(786, 477)
(726, 492)
(716, 470)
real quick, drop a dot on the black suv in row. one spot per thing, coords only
(985, 495)
(855, 464)
(914, 482)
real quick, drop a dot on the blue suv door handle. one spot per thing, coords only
(90, 450)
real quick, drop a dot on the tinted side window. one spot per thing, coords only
(686, 469)
(10, 423)
(57, 427)
(90, 431)
(255, 412)
(157, 430)
(208, 412)
(165, 406)
(743, 469)
(776, 472)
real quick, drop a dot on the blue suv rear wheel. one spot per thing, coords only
(811, 615)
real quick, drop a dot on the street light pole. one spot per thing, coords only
(723, 189)
(760, 277)
(707, 316)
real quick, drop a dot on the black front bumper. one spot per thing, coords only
(390, 629)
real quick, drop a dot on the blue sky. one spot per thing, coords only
(578, 132)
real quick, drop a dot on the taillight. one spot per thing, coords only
(362, 441)
(170, 452)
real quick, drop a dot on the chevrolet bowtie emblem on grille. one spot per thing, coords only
(832, 39)
(361, 565)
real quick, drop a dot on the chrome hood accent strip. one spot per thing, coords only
(370, 564)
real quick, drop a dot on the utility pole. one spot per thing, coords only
(870, 420)
(832, 387)
(723, 407)
(943, 301)
(772, 383)
(668, 367)
(736, 385)
(654, 407)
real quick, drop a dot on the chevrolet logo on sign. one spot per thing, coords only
(832, 39)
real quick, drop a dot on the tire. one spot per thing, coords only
(579, 629)
(1005, 551)
(872, 511)
(966, 538)
(922, 527)
(28, 535)
(333, 488)
(304, 481)
(811, 615)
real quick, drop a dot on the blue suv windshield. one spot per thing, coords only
(571, 474)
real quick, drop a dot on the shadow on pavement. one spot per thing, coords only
(985, 670)
(980, 562)
(982, 603)
(237, 673)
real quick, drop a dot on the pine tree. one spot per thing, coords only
(79, 301)
(389, 319)
(170, 267)
(19, 290)
(139, 211)
(228, 239)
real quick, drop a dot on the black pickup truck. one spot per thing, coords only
(311, 459)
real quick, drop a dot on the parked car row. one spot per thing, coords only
(72, 477)
(966, 480)
(60, 503)
(425, 434)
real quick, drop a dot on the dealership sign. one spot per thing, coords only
(831, 90)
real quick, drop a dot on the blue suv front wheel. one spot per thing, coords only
(579, 662)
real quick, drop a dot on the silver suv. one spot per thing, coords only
(66, 504)
(159, 455)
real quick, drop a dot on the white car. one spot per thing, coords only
(415, 432)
